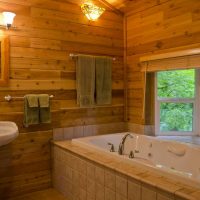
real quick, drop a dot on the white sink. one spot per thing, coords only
(8, 132)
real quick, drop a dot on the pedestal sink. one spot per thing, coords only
(8, 132)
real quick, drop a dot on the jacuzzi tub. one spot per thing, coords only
(170, 158)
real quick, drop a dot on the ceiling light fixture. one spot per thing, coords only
(91, 11)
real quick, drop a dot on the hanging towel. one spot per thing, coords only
(45, 113)
(85, 80)
(103, 80)
(31, 110)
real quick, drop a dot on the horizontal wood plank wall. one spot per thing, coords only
(47, 32)
(25, 164)
(156, 27)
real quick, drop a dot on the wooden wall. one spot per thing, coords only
(47, 31)
(155, 27)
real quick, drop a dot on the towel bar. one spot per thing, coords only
(9, 98)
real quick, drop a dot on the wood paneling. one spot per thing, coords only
(25, 164)
(156, 27)
(47, 31)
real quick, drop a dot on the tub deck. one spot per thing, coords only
(185, 139)
(153, 179)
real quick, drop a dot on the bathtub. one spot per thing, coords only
(170, 158)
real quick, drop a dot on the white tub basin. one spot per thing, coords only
(177, 160)
(8, 132)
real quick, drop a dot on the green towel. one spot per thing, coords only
(103, 80)
(45, 113)
(31, 110)
(85, 80)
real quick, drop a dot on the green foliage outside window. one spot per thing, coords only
(176, 84)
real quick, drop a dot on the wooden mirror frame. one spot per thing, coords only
(4, 44)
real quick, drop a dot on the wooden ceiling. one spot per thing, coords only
(122, 6)
(132, 6)
(118, 4)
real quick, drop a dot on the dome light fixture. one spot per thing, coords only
(91, 11)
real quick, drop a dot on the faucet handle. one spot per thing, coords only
(112, 148)
(131, 155)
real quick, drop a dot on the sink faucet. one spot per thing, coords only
(121, 145)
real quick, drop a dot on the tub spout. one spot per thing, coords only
(112, 148)
(121, 145)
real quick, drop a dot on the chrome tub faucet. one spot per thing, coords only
(121, 145)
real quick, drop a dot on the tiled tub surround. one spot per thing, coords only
(84, 174)
(69, 133)
(175, 159)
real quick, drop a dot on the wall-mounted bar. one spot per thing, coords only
(75, 55)
(9, 98)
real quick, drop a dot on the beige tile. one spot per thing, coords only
(109, 194)
(75, 177)
(90, 196)
(148, 193)
(82, 194)
(66, 158)
(58, 134)
(99, 175)
(65, 187)
(91, 186)
(100, 193)
(163, 195)
(90, 170)
(120, 197)
(185, 192)
(150, 178)
(196, 195)
(78, 132)
(123, 168)
(68, 172)
(74, 162)
(75, 198)
(59, 167)
(135, 172)
(76, 190)
(68, 133)
(169, 186)
(82, 166)
(180, 198)
(121, 185)
(110, 179)
(134, 190)
(83, 181)
(89, 130)
(68, 196)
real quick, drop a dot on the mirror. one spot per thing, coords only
(4, 64)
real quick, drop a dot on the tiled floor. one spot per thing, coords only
(49, 194)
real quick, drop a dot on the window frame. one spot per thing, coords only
(196, 108)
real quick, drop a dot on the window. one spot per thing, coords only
(176, 102)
